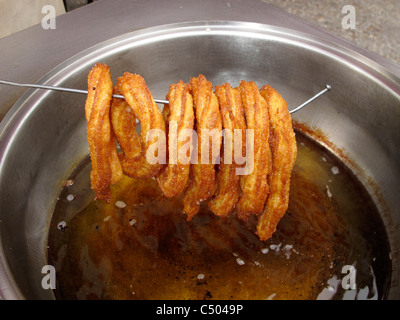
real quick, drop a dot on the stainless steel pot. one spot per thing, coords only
(43, 137)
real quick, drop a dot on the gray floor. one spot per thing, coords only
(377, 21)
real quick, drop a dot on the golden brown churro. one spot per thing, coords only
(139, 98)
(179, 116)
(255, 185)
(209, 127)
(228, 189)
(181, 146)
(123, 122)
(106, 168)
(284, 151)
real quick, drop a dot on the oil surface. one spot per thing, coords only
(331, 235)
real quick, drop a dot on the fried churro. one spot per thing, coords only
(208, 127)
(255, 185)
(284, 151)
(179, 116)
(106, 168)
(228, 189)
(138, 96)
(181, 147)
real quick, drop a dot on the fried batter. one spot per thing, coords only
(209, 128)
(123, 122)
(228, 188)
(284, 151)
(138, 96)
(106, 167)
(255, 185)
(179, 116)
(186, 161)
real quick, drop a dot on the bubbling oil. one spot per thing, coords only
(140, 246)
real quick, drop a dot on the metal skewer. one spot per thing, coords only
(327, 88)
(158, 101)
(38, 86)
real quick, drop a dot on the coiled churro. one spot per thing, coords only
(228, 189)
(255, 184)
(284, 152)
(209, 127)
(123, 122)
(179, 116)
(106, 168)
(191, 161)
(133, 87)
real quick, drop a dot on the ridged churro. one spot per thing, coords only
(284, 151)
(138, 96)
(181, 147)
(106, 168)
(208, 127)
(179, 116)
(255, 184)
(228, 189)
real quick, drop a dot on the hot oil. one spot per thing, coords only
(330, 236)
